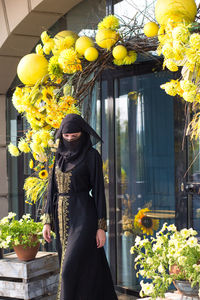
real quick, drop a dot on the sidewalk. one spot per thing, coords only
(125, 297)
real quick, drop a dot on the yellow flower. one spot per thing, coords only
(43, 174)
(36, 147)
(62, 44)
(181, 33)
(171, 65)
(130, 58)
(145, 223)
(48, 46)
(13, 150)
(195, 40)
(39, 49)
(109, 22)
(34, 189)
(23, 146)
(189, 96)
(171, 88)
(31, 164)
(69, 61)
(167, 50)
(188, 86)
(45, 37)
(45, 137)
(118, 62)
(54, 67)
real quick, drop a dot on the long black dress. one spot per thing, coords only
(79, 209)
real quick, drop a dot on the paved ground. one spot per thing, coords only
(125, 297)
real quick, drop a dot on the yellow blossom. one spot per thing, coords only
(118, 62)
(171, 88)
(69, 61)
(167, 50)
(45, 37)
(188, 86)
(195, 40)
(130, 58)
(189, 96)
(109, 22)
(48, 46)
(39, 49)
(13, 150)
(31, 164)
(181, 33)
(23, 146)
(43, 174)
(171, 65)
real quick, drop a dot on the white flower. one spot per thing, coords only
(4, 221)
(27, 216)
(149, 261)
(8, 239)
(161, 269)
(192, 242)
(137, 240)
(171, 227)
(11, 215)
(181, 260)
(147, 288)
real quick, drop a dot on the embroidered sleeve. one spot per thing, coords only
(46, 219)
(102, 224)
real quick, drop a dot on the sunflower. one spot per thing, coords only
(43, 174)
(145, 223)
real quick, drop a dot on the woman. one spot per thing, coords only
(76, 211)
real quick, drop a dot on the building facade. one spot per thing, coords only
(142, 128)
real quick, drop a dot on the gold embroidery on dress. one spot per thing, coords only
(102, 224)
(63, 182)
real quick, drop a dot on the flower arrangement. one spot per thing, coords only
(19, 232)
(140, 224)
(66, 67)
(155, 258)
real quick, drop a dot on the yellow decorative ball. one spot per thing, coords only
(119, 52)
(91, 54)
(151, 29)
(83, 43)
(32, 68)
(63, 34)
(106, 38)
(176, 10)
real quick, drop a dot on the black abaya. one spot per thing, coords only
(78, 210)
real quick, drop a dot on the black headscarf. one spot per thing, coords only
(71, 153)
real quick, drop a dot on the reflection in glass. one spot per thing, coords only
(144, 165)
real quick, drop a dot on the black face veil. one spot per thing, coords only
(70, 154)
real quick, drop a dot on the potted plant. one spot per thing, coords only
(171, 256)
(24, 235)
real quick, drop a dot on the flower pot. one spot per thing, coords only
(27, 253)
(184, 287)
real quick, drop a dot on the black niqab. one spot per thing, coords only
(71, 153)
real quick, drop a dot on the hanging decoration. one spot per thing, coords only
(64, 68)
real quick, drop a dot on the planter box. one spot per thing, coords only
(35, 279)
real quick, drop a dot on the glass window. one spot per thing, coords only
(144, 133)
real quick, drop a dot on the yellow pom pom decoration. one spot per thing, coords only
(32, 68)
(119, 52)
(151, 29)
(83, 43)
(91, 54)
(106, 38)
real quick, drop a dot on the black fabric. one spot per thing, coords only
(85, 273)
(70, 154)
(75, 123)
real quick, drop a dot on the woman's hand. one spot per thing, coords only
(47, 232)
(100, 238)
